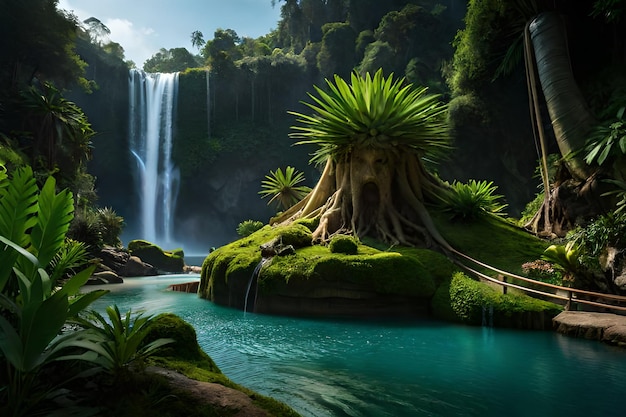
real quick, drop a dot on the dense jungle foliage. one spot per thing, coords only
(63, 134)
(67, 77)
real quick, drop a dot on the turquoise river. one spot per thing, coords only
(420, 367)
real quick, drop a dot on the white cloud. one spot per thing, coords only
(137, 42)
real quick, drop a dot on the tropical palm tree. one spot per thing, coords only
(373, 136)
(541, 40)
(60, 130)
(283, 187)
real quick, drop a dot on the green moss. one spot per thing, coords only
(412, 272)
(390, 270)
(169, 261)
(494, 241)
(440, 304)
(469, 297)
(185, 344)
(186, 356)
(343, 244)
(310, 224)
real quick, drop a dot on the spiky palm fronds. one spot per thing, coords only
(373, 112)
(283, 187)
(473, 199)
(118, 340)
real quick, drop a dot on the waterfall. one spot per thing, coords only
(253, 278)
(152, 111)
(487, 320)
(208, 104)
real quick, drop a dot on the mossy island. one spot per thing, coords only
(377, 280)
(368, 240)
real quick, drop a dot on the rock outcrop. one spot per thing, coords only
(116, 263)
(166, 261)
(606, 327)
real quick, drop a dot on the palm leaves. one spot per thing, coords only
(118, 341)
(61, 130)
(283, 187)
(35, 220)
(607, 140)
(33, 225)
(564, 257)
(469, 201)
(373, 112)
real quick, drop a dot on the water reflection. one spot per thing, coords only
(395, 368)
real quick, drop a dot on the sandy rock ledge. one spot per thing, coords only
(234, 403)
(606, 327)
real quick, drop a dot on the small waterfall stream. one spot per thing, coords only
(254, 278)
(152, 112)
(487, 316)
(208, 103)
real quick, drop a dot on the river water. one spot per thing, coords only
(418, 367)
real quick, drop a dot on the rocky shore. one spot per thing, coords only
(115, 264)
(606, 327)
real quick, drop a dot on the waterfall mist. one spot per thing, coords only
(152, 111)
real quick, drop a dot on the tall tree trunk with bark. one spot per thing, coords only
(550, 76)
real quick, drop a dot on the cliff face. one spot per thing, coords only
(221, 173)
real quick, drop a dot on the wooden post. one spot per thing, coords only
(569, 301)
(504, 287)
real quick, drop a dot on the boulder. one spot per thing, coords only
(104, 277)
(167, 261)
(113, 258)
(135, 267)
(607, 327)
(117, 261)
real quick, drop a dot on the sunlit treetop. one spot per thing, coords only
(373, 112)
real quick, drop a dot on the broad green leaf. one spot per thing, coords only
(18, 206)
(72, 286)
(40, 324)
(55, 212)
(83, 301)
(17, 209)
(8, 255)
(11, 344)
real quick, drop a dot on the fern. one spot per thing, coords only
(18, 204)
(55, 212)
(18, 198)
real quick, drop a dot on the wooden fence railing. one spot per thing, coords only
(563, 295)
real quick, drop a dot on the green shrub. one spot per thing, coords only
(471, 200)
(247, 227)
(97, 228)
(185, 345)
(111, 226)
(296, 235)
(310, 224)
(468, 297)
(283, 187)
(86, 228)
(36, 303)
(118, 340)
(606, 230)
(343, 244)
(532, 207)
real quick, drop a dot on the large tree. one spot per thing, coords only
(37, 41)
(170, 60)
(373, 136)
(554, 38)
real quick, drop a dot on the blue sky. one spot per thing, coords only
(143, 27)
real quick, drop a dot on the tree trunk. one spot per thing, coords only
(571, 118)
